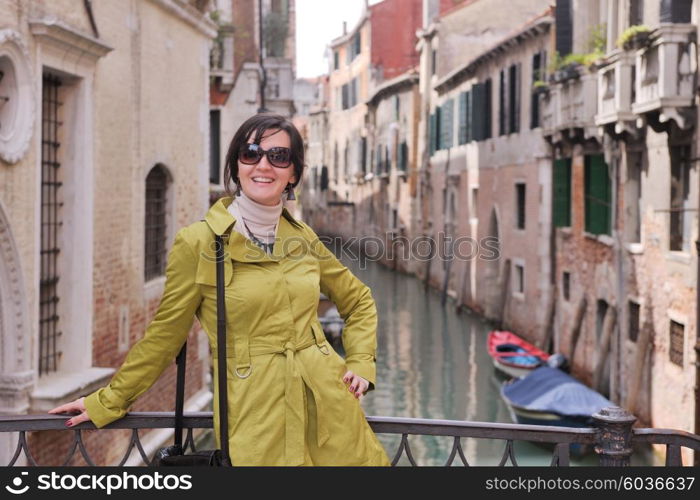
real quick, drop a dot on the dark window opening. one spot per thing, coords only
(514, 99)
(561, 199)
(519, 278)
(155, 251)
(676, 343)
(680, 192)
(633, 321)
(520, 205)
(51, 195)
(566, 285)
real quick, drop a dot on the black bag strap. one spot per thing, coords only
(221, 350)
(221, 364)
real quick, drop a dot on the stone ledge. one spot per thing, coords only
(58, 388)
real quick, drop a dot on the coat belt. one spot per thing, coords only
(295, 412)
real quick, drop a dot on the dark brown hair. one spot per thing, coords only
(256, 126)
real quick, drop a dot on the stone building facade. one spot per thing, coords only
(103, 157)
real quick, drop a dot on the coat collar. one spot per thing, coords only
(220, 220)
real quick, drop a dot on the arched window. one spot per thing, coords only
(155, 223)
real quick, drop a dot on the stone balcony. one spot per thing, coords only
(569, 108)
(616, 91)
(665, 73)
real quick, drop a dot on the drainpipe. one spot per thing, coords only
(261, 50)
(697, 351)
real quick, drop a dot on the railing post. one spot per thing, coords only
(614, 440)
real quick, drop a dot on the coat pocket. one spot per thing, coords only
(206, 271)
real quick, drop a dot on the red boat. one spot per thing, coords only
(512, 355)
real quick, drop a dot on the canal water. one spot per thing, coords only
(433, 363)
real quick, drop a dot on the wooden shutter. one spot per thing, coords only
(447, 125)
(502, 92)
(462, 133)
(598, 194)
(468, 134)
(478, 111)
(564, 28)
(561, 196)
(488, 105)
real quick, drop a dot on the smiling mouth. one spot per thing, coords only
(262, 181)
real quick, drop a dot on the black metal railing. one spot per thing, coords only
(613, 437)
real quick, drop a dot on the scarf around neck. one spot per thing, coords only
(261, 220)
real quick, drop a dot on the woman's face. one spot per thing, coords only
(262, 182)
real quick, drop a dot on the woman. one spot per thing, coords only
(293, 400)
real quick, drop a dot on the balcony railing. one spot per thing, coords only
(612, 438)
(665, 73)
(616, 91)
(570, 106)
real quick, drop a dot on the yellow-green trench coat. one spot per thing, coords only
(293, 408)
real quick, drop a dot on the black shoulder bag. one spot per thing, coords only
(174, 455)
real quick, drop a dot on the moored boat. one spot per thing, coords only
(548, 396)
(513, 355)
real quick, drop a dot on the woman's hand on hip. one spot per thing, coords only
(77, 406)
(357, 385)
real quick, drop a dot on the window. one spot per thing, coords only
(633, 321)
(675, 11)
(363, 154)
(336, 60)
(675, 350)
(520, 205)
(514, 99)
(636, 12)
(155, 251)
(566, 285)
(601, 311)
(215, 146)
(564, 31)
(447, 124)
(597, 195)
(379, 156)
(502, 103)
(51, 227)
(633, 196)
(465, 117)
(433, 61)
(481, 110)
(403, 157)
(539, 64)
(561, 196)
(680, 191)
(387, 160)
(324, 178)
(353, 92)
(345, 96)
(519, 281)
(397, 107)
(438, 128)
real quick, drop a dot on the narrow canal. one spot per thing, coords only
(433, 363)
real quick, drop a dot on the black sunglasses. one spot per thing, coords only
(279, 157)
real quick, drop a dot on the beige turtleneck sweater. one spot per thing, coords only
(262, 220)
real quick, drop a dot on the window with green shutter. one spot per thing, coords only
(438, 129)
(402, 162)
(561, 196)
(447, 124)
(462, 121)
(478, 111)
(597, 195)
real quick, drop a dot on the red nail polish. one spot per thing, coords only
(69, 424)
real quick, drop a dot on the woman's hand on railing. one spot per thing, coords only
(77, 406)
(357, 386)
